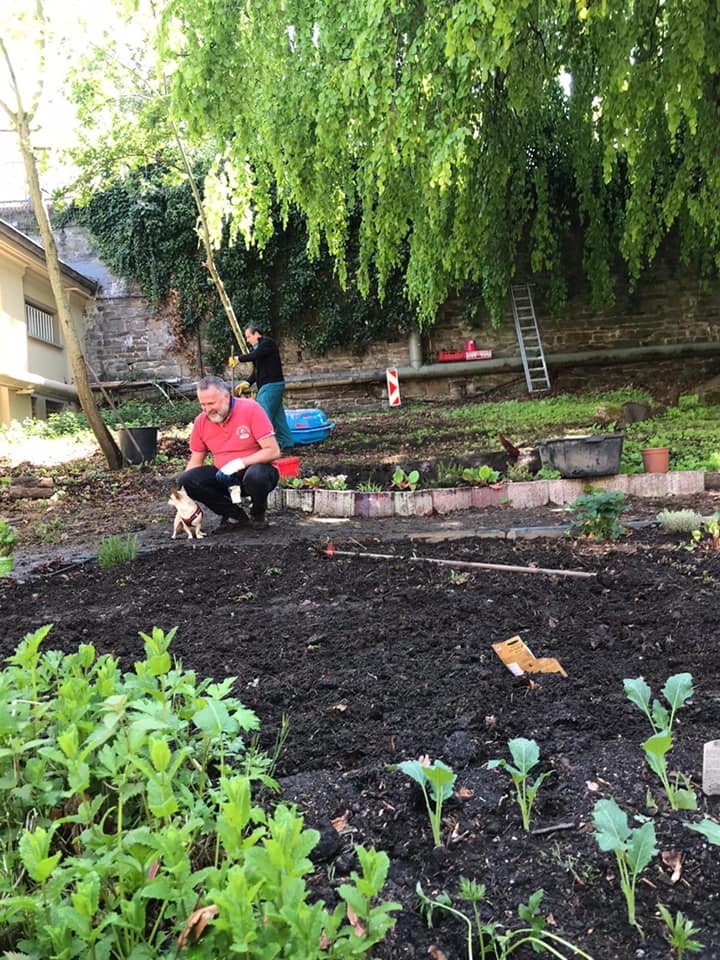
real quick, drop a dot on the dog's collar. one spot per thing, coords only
(188, 521)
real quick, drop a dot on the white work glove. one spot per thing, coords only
(226, 473)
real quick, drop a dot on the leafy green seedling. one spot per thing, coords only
(480, 475)
(436, 781)
(597, 514)
(7, 545)
(115, 549)
(677, 690)
(708, 828)
(335, 482)
(494, 944)
(680, 932)
(679, 793)
(405, 481)
(369, 486)
(525, 754)
(634, 848)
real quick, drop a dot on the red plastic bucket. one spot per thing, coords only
(288, 467)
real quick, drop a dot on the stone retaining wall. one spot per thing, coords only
(510, 495)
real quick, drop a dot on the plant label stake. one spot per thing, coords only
(711, 768)
(519, 660)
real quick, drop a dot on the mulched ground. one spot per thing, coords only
(376, 660)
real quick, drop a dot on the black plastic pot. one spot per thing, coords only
(138, 444)
(595, 455)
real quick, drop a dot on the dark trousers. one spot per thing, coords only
(257, 482)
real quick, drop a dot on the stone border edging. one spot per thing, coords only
(521, 495)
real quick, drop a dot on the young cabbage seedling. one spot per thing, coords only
(708, 828)
(495, 944)
(436, 781)
(680, 932)
(676, 691)
(634, 848)
(525, 754)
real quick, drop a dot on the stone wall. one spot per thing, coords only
(128, 340)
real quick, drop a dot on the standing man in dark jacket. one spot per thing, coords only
(268, 376)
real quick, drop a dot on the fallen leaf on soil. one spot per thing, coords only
(340, 823)
(464, 792)
(356, 923)
(592, 786)
(339, 708)
(673, 859)
(197, 922)
(436, 953)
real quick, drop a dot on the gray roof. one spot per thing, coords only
(36, 250)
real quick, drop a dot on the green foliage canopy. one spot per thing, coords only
(449, 127)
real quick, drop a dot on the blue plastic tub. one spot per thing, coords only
(308, 426)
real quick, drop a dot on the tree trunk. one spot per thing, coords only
(108, 446)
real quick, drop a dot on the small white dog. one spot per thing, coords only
(188, 515)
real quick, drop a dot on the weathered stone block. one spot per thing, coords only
(300, 500)
(335, 503)
(525, 494)
(371, 504)
(448, 500)
(412, 503)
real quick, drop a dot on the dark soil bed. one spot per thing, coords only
(378, 660)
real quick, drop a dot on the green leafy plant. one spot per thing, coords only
(526, 755)
(711, 527)
(518, 473)
(596, 515)
(117, 549)
(436, 780)
(448, 474)
(679, 521)
(50, 531)
(459, 579)
(710, 829)
(129, 820)
(547, 473)
(336, 482)
(298, 483)
(7, 546)
(634, 848)
(493, 942)
(680, 932)
(676, 691)
(369, 486)
(480, 476)
(405, 481)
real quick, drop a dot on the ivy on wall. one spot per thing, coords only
(144, 227)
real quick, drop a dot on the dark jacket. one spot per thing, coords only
(265, 358)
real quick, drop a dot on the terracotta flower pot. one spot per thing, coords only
(656, 459)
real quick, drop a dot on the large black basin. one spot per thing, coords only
(594, 455)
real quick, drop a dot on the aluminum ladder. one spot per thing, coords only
(528, 335)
